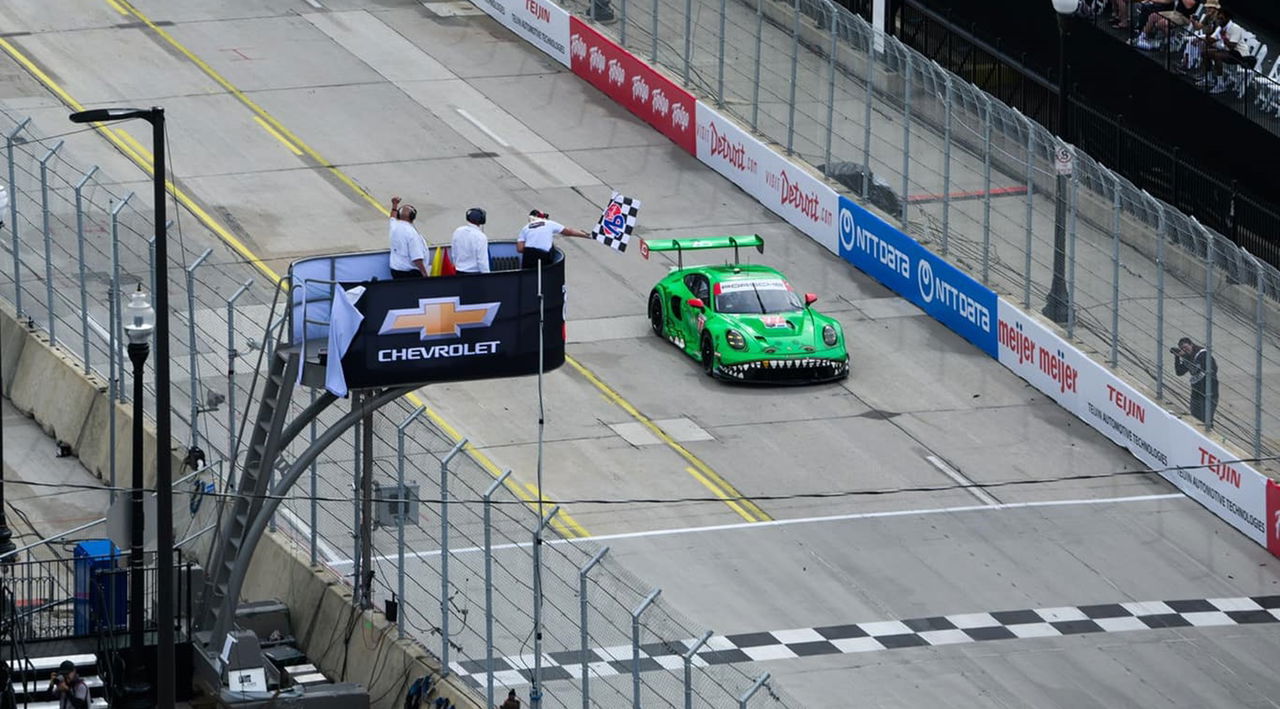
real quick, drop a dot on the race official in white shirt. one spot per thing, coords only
(470, 247)
(408, 250)
(538, 236)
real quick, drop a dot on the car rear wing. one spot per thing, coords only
(701, 242)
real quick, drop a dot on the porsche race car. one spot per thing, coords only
(743, 322)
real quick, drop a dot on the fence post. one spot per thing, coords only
(742, 701)
(191, 342)
(314, 489)
(688, 43)
(653, 45)
(622, 29)
(488, 585)
(403, 509)
(13, 214)
(1259, 324)
(1160, 238)
(582, 625)
(1115, 278)
(946, 162)
(535, 693)
(906, 134)
(444, 550)
(831, 92)
(866, 122)
(113, 344)
(1208, 316)
(688, 668)
(48, 239)
(635, 644)
(84, 295)
(720, 60)
(356, 556)
(1031, 192)
(986, 187)
(1071, 244)
(755, 84)
(232, 353)
(795, 63)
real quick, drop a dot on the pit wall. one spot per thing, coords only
(48, 384)
(1030, 347)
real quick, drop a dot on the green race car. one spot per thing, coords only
(743, 322)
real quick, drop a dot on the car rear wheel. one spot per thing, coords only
(655, 314)
(708, 356)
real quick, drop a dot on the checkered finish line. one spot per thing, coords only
(884, 635)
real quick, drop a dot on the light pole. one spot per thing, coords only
(1057, 307)
(139, 321)
(164, 435)
(6, 536)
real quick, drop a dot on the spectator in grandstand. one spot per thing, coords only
(1160, 24)
(1194, 360)
(408, 251)
(512, 702)
(535, 239)
(470, 248)
(1203, 26)
(1230, 47)
(1139, 13)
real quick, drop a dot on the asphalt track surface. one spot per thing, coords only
(323, 112)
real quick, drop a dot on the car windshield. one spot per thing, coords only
(755, 297)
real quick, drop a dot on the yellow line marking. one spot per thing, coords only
(562, 520)
(251, 105)
(733, 504)
(276, 134)
(654, 428)
(116, 6)
(137, 147)
(568, 527)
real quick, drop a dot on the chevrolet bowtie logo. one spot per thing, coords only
(436, 318)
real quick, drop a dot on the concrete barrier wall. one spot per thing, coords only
(347, 644)
(49, 384)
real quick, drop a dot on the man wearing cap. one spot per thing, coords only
(470, 248)
(537, 237)
(408, 250)
(66, 685)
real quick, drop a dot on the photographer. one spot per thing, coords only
(1196, 361)
(68, 688)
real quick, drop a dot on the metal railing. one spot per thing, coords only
(99, 245)
(974, 180)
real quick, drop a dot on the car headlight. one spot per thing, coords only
(735, 340)
(829, 335)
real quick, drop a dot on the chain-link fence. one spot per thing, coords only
(78, 242)
(977, 182)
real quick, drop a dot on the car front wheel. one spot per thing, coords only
(655, 314)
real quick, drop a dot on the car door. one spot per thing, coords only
(693, 319)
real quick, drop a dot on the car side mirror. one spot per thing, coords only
(810, 299)
(696, 303)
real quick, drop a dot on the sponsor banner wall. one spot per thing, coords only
(1236, 492)
(632, 83)
(909, 269)
(804, 201)
(539, 22)
(1273, 517)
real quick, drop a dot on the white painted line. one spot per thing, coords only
(799, 520)
(955, 475)
(330, 554)
(483, 128)
(316, 4)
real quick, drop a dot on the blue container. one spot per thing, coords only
(102, 591)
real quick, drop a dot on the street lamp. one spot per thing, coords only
(164, 434)
(1058, 306)
(139, 321)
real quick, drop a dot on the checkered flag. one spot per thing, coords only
(617, 222)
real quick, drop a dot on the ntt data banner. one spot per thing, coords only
(1200, 468)
(793, 194)
(915, 273)
(540, 23)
